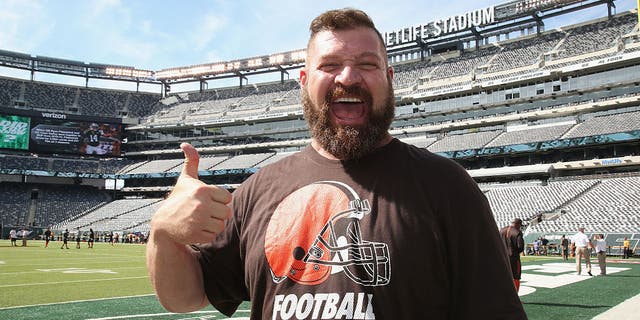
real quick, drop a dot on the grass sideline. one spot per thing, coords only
(110, 282)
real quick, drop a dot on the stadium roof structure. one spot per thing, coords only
(428, 37)
(74, 68)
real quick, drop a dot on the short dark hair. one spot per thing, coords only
(342, 19)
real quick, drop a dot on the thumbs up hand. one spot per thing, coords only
(194, 212)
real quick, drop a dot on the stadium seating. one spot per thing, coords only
(14, 203)
(612, 205)
(115, 215)
(59, 203)
(87, 101)
(529, 135)
(243, 161)
(525, 200)
(156, 166)
(51, 164)
(11, 92)
(463, 141)
(23, 162)
(48, 203)
(523, 53)
(595, 36)
(606, 124)
(232, 103)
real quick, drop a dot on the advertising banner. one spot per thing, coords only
(14, 132)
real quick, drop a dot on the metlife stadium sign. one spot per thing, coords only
(14, 132)
(471, 19)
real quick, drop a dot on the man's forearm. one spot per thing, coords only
(175, 274)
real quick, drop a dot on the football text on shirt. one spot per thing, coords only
(323, 306)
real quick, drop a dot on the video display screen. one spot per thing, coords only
(77, 137)
(14, 132)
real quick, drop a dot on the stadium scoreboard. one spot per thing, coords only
(211, 69)
(51, 132)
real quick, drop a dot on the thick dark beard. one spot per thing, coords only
(347, 142)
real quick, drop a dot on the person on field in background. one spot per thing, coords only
(47, 237)
(23, 235)
(92, 238)
(317, 233)
(65, 239)
(13, 236)
(582, 244)
(564, 247)
(513, 241)
(601, 252)
(626, 248)
(78, 238)
(536, 246)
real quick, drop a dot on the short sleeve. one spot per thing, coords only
(222, 270)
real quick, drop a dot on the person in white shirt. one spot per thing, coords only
(13, 235)
(601, 250)
(582, 244)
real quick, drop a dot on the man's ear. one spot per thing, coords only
(390, 72)
(303, 77)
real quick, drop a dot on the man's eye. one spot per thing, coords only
(368, 65)
(329, 66)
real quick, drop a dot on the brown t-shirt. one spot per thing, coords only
(399, 234)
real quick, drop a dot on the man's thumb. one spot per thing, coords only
(191, 160)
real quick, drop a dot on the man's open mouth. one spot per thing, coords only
(347, 108)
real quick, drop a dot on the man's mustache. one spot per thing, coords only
(340, 91)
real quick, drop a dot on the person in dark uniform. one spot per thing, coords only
(512, 237)
(564, 248)
(92, 140)
(78, 238)
(47, 237)
(92, 237)
(65, 239)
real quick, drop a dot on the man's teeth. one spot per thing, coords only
(348, 100)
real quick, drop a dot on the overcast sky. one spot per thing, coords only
(154, 34)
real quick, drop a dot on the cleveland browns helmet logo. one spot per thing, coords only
(315, 232)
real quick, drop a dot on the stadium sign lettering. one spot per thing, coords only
(441, 27)
(54, 115)
(611, 161)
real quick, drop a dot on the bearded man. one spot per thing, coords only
(358, 225)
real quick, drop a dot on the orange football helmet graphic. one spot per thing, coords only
(315, 231)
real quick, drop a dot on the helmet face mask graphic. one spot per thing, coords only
(315, 232)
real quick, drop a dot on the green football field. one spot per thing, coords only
(110, 282)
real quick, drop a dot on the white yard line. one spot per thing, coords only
(38, 271)
(76, 301)
(133, 316)
(74, 281)
(627, 310)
